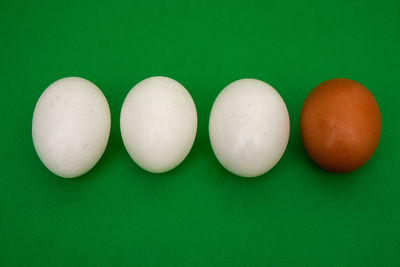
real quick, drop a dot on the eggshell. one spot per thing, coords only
(71, 126)
(340, 125)
(158, 123)
(249, 127)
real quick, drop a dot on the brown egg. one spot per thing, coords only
(340, 125)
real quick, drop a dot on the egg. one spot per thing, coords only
(249, 127)
(340, 125)
(70, 126)
(158, 123)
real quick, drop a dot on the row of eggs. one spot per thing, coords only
(249, 125)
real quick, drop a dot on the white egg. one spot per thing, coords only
(249, 127)
(158, 123)
(71, 126)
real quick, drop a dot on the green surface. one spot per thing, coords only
(198, 214)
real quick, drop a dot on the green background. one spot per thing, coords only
(198, 214)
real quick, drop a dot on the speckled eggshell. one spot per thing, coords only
(71, 126)
(340, 125)
(158, 123)
(249, 127)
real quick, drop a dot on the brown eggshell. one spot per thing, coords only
(340, 125)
